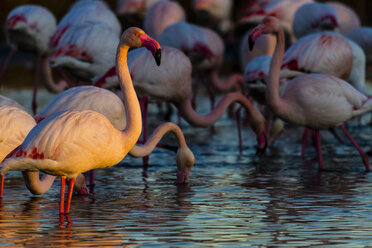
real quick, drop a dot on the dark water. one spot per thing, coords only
(231, 200)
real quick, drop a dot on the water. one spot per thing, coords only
(231, 200)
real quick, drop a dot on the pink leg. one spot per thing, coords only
(62, 196)
(304, 142)
(144, 102)
(6, 63)
(1, 185)
(318, 148)
(335, 134)
(36, 84)
(362, 153)
(239, 129)
(69, 195)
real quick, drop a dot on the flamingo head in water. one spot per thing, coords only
(267, 26)
(136, 37)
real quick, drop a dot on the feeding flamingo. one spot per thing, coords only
(29, 27)
(172, 83)
(161, 15)
(317, 101)
(72, 142)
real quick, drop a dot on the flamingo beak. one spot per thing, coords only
(153, 46)
(262, 144)
(254, 34)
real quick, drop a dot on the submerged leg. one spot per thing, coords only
(36, 85)
(6, 63)
(1, 185)
(304, 142)
(318, 148)
(362, 153)
(69, 195)
(143, 104)
(62, 195)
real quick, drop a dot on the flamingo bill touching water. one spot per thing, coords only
(316, 101)
(72, 142)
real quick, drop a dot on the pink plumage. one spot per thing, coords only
(347, 18)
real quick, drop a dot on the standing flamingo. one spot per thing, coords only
(161, 15)
(72, 142)
(206, 50)
(317, 101)
(29, 27)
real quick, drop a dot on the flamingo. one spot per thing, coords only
(69, 143)
(82, 11)
(316, 101)
(218, 10)
(347, 18)
(29, 27)
(206, 50)
(86, 50)
(161, 15)
(362, 36)
(172, 83)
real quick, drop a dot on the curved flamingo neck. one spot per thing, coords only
(36, 185)
(133, 128)
(157, 135)
(256, 119)
(232, 82)
(49, 82)
(273, 98)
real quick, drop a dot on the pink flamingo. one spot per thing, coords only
(72, 142)
(171, 82)
(347, 18)
(29, 27)
(161, 15)
(206, 50)
(362, 36)
(86, 50)
(317, 101)
(134, 6)
(82, 11)
(219, 11)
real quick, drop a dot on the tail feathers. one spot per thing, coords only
(366, 107)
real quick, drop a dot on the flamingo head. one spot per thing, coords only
(79, 186)
(268, 25)
(185, 161)
(136, 37)
(261, 143)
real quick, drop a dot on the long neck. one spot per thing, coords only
(256, 119)
(36, 185)
(157, 135)
(272, 90)
(133, 128)
(233, 82)
(49, 82)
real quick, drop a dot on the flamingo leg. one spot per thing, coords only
(362, 153)
(335, 134)
(36, 84)
(64, 76)
(318, 147)
(69, 195)
(62, 196)
(91, 181)
(304, 142)
(239, 129)
(1, 185)
(144, 105)
(6, 63)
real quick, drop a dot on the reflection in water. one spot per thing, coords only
(232, 199)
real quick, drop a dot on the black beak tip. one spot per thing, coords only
(250, 43)
(158, 57)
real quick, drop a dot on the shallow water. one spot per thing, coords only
(231, 200)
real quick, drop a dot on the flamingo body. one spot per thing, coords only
(86, 50)
(347, 18)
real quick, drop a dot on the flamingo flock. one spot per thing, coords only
(302, 63)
